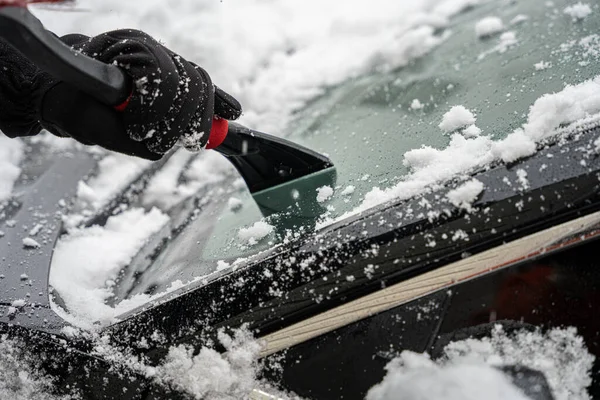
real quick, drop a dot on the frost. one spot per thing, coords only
(488, 26)
(578, 11)
(458, 117)
(30, 243)
(255, 233)
(464, 195)
(324, 193)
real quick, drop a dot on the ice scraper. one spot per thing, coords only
(280, 174)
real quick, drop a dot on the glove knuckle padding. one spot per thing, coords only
(168, 92)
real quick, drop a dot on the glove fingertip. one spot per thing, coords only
(226, 106)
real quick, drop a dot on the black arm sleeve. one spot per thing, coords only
(19, 102)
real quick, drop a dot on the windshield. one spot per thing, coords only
(369, 124)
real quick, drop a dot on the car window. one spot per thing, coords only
(368, 123)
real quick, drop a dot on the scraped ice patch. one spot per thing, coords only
(86, 262)
(114, 173)
(414, 376)
(464, 195)
(324, 193)
(458, 117)
(255, 233)
(30, 243)
(488, 26)
(578, 11)
(11, 154)
(184, 175)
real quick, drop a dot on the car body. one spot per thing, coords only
(327, 302)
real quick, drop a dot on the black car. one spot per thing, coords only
(497, 228)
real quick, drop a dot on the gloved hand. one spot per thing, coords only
(172, 99)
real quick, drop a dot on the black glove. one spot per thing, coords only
(172, 99)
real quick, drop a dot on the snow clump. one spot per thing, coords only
(30, 243)
(458, 117)
(488, 26)
(86, 262)
(255, 233)
(324, 193)
(466, 370)
(414, 376)
(578, 11)
(464, 195)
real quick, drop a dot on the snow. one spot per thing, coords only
(466, 369)
(488, 26)
(22, 382)
(324, 193)
(505, 42)
(415, 377)
(348, 190)
(578, 11)
(458, 117)
(234, 204)
(416, 105)
(30, 243)
(464, 195)
(210, 374)
(471, 131)
(542, 65)
(86, 260)
(114, 173)
(252, 235)
(431, 167)
(11, 153)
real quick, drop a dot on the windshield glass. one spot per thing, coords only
(367, 124)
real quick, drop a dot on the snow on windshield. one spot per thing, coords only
(274, 56)
(277, 69)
